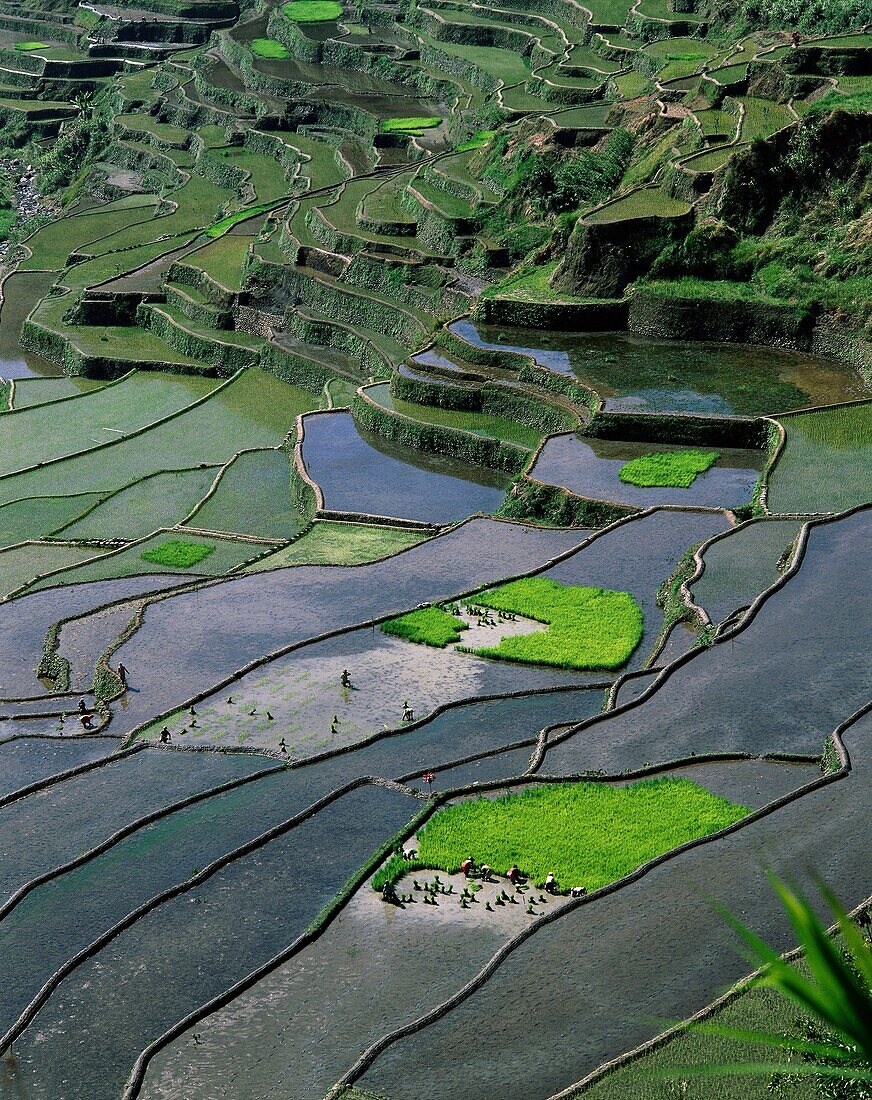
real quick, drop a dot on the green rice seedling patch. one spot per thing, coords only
(857, 102)
(587, 834)
(253, 497)
(330, 543)
(681, 49)
(413, 125)
(588, 628)
(826, 464)
(609, 12)
(33, 518)
(483, 424)
(312, 11)
(176, 554)
(427, 626)
(161, 500)
(711, 161)
(268, 47)
(227, 555)
(222, 226)
(647, 202)
(678, 469)
(478, 140)
(27, 47)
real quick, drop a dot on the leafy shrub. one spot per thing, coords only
(177, 554)
(429, 626)
(588, 834)
(588, 628)
(678, 469)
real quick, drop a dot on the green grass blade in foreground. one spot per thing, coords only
(430, 626)
(588, 834)
(837, 995)
(588, 628)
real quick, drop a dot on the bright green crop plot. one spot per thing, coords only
(588, 834)
(222, 226)
(268, 47)
(679, 469)
(588, 628)
(429, 626)
(479, 139)
(409, 125)
(26, 47)
(312, 11)
(177, 554)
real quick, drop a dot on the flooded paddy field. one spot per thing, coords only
(410, 452)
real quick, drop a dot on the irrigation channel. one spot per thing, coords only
(365, 487)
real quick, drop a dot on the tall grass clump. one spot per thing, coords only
(428, 626)
(677, 469)
(588, 628)
(588, 834)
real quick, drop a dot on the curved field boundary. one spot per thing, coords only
(369, 1056)
(60, 777)
(337, 904)
(69, 217)
(377, 621)
(11, 411)
(321, 922)
(711, 1009)
(748, 616)
(127, 830)
(131, 435)
(26, 1017)
(775, 421)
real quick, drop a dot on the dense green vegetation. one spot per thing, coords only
(588, 628)
(312, 11)
(587, 834)
(428, 625)
(177, 554)
(677, 468)
(409, 125)
(268, 47)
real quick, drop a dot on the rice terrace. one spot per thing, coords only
(436, 500)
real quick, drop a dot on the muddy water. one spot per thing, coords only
(633, 374)
(591, 468)
(359, 472)
(21, 293)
